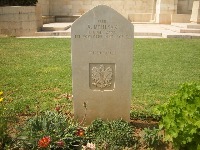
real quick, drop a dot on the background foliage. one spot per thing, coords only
(18, 2)
(181, 117)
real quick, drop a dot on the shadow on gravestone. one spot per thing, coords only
(102, 52)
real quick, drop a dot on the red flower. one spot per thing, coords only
(60, 143)
(57, 108)
(44, 142)
(80, 132)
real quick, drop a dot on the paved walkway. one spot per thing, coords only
(141, 30)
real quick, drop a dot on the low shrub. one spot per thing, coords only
(18, 2)
(153, 138)
(51, 130)
(111, 135)
(181, 117)
(54, 130)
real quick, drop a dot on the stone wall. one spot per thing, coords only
(20, 20)
(78, 7)
(44, 4)
(135, 10)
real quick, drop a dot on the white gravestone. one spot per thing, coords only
(102, 52)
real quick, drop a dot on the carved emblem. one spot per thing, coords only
(102, 76)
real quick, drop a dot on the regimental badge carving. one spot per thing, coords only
(102, 76)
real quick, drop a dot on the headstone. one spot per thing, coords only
(102, 52)
(195, 16)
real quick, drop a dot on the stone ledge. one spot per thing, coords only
(64, 18)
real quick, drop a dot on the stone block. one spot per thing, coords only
(193, 26)
(140, 17)
(180, 18)
(163, 18)
(25, 25)
(32, 17)
(2, 26)
(7, 17)
(8, 10)
(16, 25)
(22, 17)
(29, 9)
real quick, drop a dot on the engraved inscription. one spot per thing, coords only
(102, 52)
(102, 76)
(103, 29)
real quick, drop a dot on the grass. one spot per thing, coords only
(160, 66)
(37, 72)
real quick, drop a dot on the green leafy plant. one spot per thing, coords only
(50, 130)
(111, 135)
(181, 117)
(153, 137)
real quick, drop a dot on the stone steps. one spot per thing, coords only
(53, 33)
(56, 26)
(186, 25)
(183, 36)
(148, 34)
(185, 28)
(194, 26)
(189, 30)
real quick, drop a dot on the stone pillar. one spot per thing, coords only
(195, 16)
(154, 10)
(164, 10)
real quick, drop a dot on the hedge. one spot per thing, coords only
(18, 2)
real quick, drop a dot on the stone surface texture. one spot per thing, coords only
(135, 10)
(102, 51)
(20, 20)
(195, 17)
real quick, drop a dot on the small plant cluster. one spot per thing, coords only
(181, 117)
(112, 135)
(144, 115)
(54, 130)
(18, 2)
(153, 138)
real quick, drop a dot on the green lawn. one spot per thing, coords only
(37, 72)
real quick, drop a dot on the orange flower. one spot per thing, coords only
(44, 142)
(80, 132)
